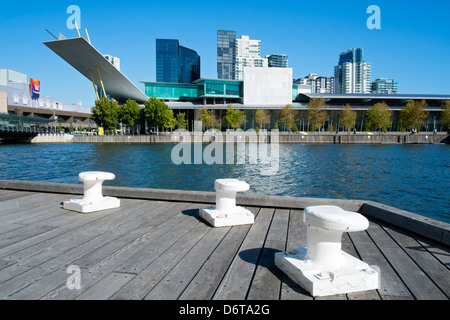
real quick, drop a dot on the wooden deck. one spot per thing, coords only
(150, 249)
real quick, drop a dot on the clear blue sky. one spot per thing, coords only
(412, 47)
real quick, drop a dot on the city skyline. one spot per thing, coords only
(411, 44)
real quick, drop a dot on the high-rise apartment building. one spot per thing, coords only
(324, 85)
(384, 86)
(277, 60)
(352, 74)
(248, 54)
(113, 60)
(226, 54)
(317, 84)
(233, 55)
(175, 63)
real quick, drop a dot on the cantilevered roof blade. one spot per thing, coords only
(81, 55)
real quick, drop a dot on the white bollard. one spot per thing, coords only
(225, 212)
(322, 268)
(93, 199)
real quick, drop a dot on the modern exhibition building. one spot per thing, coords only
(269, 88)
(22, 106)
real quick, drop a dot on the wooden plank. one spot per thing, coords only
(296, 239)
(35, 266)
(132, 229)
(439, 251)
(46, 282)
(9, 194)
(66, 238)
(174, 283)
(433, 268)
(237, 280)
(72, 222)
(23, 205)
(96, 272)
(143, 283)
(161, 238)
(41, 266)
(106, 286)
(206, 281)
(39, 207)
(349, 247)
(26, 232)
(266, 284)
(412, 276)
(419, 224)
(5, 263)
(58, 216)
(37, 272)
(391, 285)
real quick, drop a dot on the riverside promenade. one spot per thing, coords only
(155, 246)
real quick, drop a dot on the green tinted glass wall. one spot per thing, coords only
(218, 88)
(169, 91)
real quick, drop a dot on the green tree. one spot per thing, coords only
(130, 113)
(413, 114)
(106, 113)
(378, 117)
(158, 114)
(181, 122)
(348, 117)
(445, 115)
(317, 114)
(262, 118)
(171, 121)
(234, 118)
(288, 116)
(208, 117)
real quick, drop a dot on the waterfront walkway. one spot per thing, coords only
(155, 246)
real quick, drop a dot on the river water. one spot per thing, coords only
(415, 178)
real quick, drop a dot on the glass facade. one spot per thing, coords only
(226, 54)
(189, 65)
(171, 91)
(201, 88)
(176, 64)
(220, 88)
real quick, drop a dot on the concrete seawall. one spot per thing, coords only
(52, 138)
(312, 138)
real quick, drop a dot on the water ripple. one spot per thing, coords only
(411, 177)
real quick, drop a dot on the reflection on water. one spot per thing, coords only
(411, 177)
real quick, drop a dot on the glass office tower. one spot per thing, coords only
(189, 65)
(176, 64)
(226, 54)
